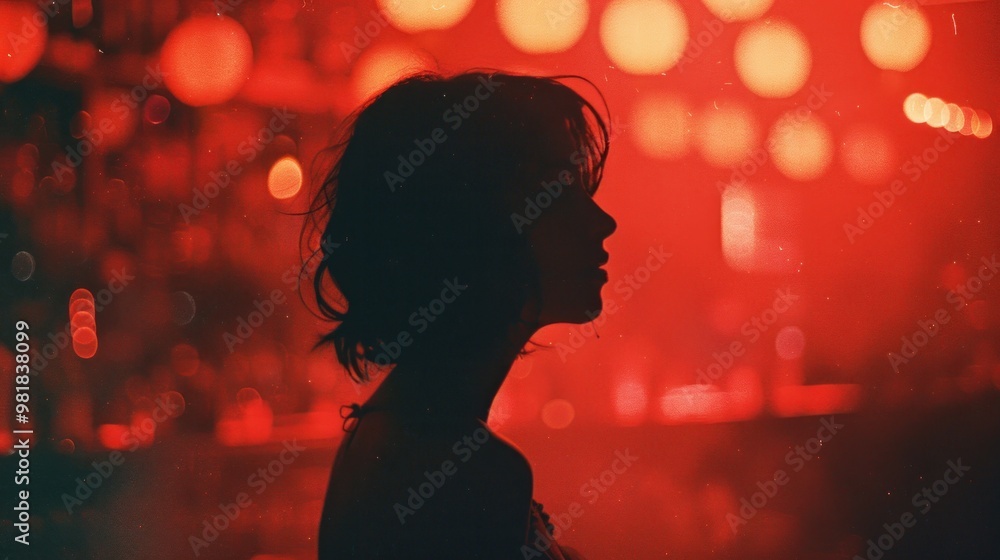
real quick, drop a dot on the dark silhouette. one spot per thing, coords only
(456, 221)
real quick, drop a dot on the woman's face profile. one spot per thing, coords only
(567, 242)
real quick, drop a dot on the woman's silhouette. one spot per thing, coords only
(457, 221)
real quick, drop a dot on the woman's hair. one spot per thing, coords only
(416, 215)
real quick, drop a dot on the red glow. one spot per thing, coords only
(206, 59)
(23, 39)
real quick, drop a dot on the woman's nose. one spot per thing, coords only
(606, 225)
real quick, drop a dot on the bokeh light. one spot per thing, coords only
(22, 266)
(772, 58)
(739, 227)
(156, 110)
(380, 66)
(206, 60)
(644, 36)
(558, 414)
(662, 126)
(543, 26)
(726, 133)
(413, 16)
(789, 343)
(738, 10)
(182, 307)
(895, 36)
(868, 154)
(956, 119)
(802, 148)
(285, 178)
(936, 112)
(85, 342)
(983, 125)
(24, 30)
(913, 107)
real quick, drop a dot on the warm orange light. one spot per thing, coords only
(983, 125)
(206, 59)
(802, 149)
(936, 112)
(956, 119)
(24, 31)
(380, 66)
(739, 227)
(969, 116)
(661, 126)
(895, 36)
(413, 16)
(543, 26)
(726, 134)
(772, 58)
(285, 178)
(913, 107)
(738, 10)
(644, 36)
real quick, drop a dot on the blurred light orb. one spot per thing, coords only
(182, 307)
(558, 414)
(80, 124)
(248, 397)
(66, 446)
(413, 16)
(82, 319)
(726, 136)
(81, 293)
(936, 112)
(802, 149)
(285, 178)
(184, 360)
(968, 115)
(543, 26)
(982, 125)
(644, 36)
(380, 66)
(739, 227)
(913, 107)
(895, 37)
(81, 305)
(868, 155)
(177, 401)
(738, 10)
(113, 112)
(662, 126)
(790, 343)
(156, 110)
(24, 32)
(206, 60)
(22, 266)
(956, 118)
(772, 58)
(27, 157)
(85, 342)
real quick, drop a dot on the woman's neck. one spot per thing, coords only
(460, 388)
